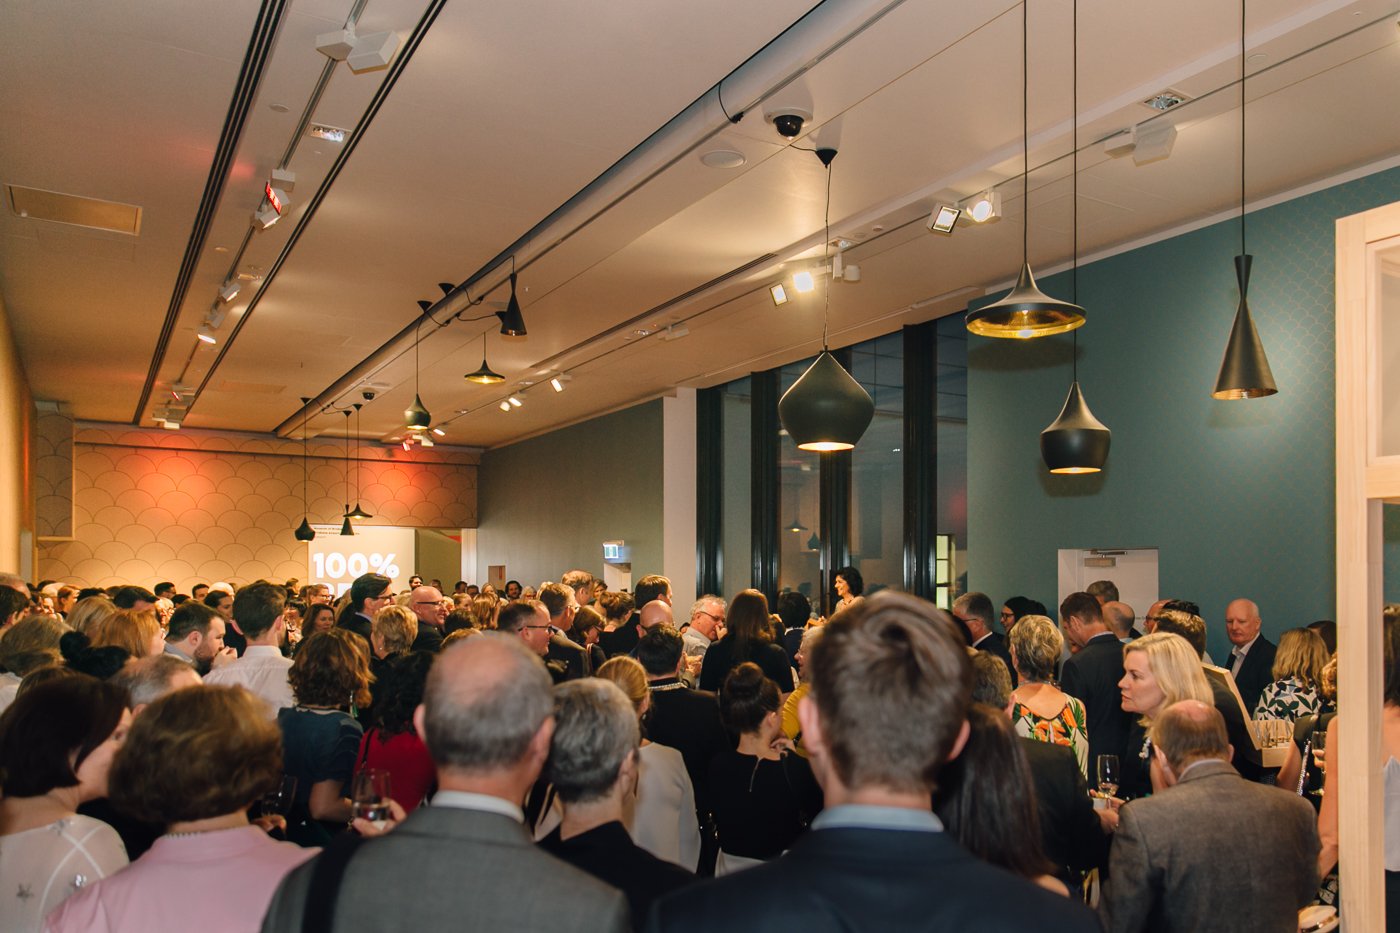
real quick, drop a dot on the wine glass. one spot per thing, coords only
(279, 799)
(1106, 767)
(369, 796)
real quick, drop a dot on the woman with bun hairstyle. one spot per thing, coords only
(763, 795)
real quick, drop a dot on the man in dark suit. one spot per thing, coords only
(1092, 675)
(1211, 852)
(1193, 628)
(369, 593)
(978, 616)
(876, 858)
(426, 603)
(624, 638)
(1251, 660)
(466, 862)
(685, 719)
(559, 602)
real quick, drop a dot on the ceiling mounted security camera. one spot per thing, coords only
(788, 121)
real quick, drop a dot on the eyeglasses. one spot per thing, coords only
(719, 619)
(536, 627)
(430, 602)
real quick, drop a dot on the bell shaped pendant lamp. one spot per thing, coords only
(1025, 311)
(825, 409)
(345, 527)
(1244, 369)
(357, 512)
(416, 417)
(304, 531)
(1076, 441)
(485, 375)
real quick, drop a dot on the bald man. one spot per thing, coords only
(1154, 612)
(1119, 618)
(1209, 851)
(1251, 659)
(657, 612)
(487, 718)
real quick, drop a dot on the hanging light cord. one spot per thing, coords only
(304, 403)
(826, 257)
(1074, 177)
(357, 455)
(1242, 6)
(1025, 134)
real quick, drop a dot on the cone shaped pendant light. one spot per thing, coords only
(1244, 369)
(825, 409)
(345, 527)
(1076, 441)
(1025, 311)
(304, 531)
(416, 417)
(357, 512)
(485, 375)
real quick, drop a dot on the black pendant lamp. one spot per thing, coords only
(512, 321)
(1244, 370)
(1076, 441)
(304, 531)
(814, 543)
(1025, 311)
(826, 409)
(795, 526)
(357, 512)
(416, 417)
(485, 375)
(345, 527)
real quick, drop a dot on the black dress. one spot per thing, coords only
(762, 805)
(720, 660)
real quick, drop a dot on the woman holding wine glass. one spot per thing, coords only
(194, 761)
(1158, 670)
(320, 735)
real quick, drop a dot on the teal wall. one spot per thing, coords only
(547, 504)
(1237, 495)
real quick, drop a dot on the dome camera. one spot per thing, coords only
(788, 121)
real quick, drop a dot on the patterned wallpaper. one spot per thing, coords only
(197, 506)
(53, 472)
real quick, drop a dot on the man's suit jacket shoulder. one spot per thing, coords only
(562, 648)
(1257, 671)
(870, 880)
(459, 869)
(1181, 854)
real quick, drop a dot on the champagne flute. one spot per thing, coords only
(369, 796)
(1106, 767)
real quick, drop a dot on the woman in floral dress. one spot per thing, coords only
(1297, 675)
(1039, 709)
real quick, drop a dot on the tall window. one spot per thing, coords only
(952, 442)
(738, 493)
(877, 466)
(799, 497)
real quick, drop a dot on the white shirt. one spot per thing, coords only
(44, 865)
(696, 644)
(263, 670)
(465, 800)
(1237, 654)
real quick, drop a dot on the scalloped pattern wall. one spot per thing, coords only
(53, 473)
(198, 506)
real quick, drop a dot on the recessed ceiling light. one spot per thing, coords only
(1258, 57)
(1166, 100)
(505, 406)
(779, 293)
(723, 158)
(279, 108)
(221, 249)
(803, 282)
(332, 134)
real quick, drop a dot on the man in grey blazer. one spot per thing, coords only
(1212, 851)
(466, 863)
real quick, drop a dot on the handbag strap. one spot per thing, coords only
(322, 891)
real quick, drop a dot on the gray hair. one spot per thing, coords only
(148, 679)
(595, 730)
(485, 699)
(991, 681)
(700, 604)
(1037, 642)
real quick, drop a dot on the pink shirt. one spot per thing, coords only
(216, 882)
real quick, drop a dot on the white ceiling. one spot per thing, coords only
(504, 112)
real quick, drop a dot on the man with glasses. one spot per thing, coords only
(706, 627)
(426, 603)
(530, 621)
(369, 593)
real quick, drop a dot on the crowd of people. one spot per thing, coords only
(564, 757)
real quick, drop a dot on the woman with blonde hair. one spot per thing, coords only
(30, 644)
(87, 612)
(1302, 654)
(1158, 670)
(136, 630)
(1040, 710)
(661, 818)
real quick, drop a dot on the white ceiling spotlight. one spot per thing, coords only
(229, 291)
(804, 282)
(943, 219)
(557, 383)
(361, 53)
(779, 294)
(984, 208)
(1146, 143)
(505, 407)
